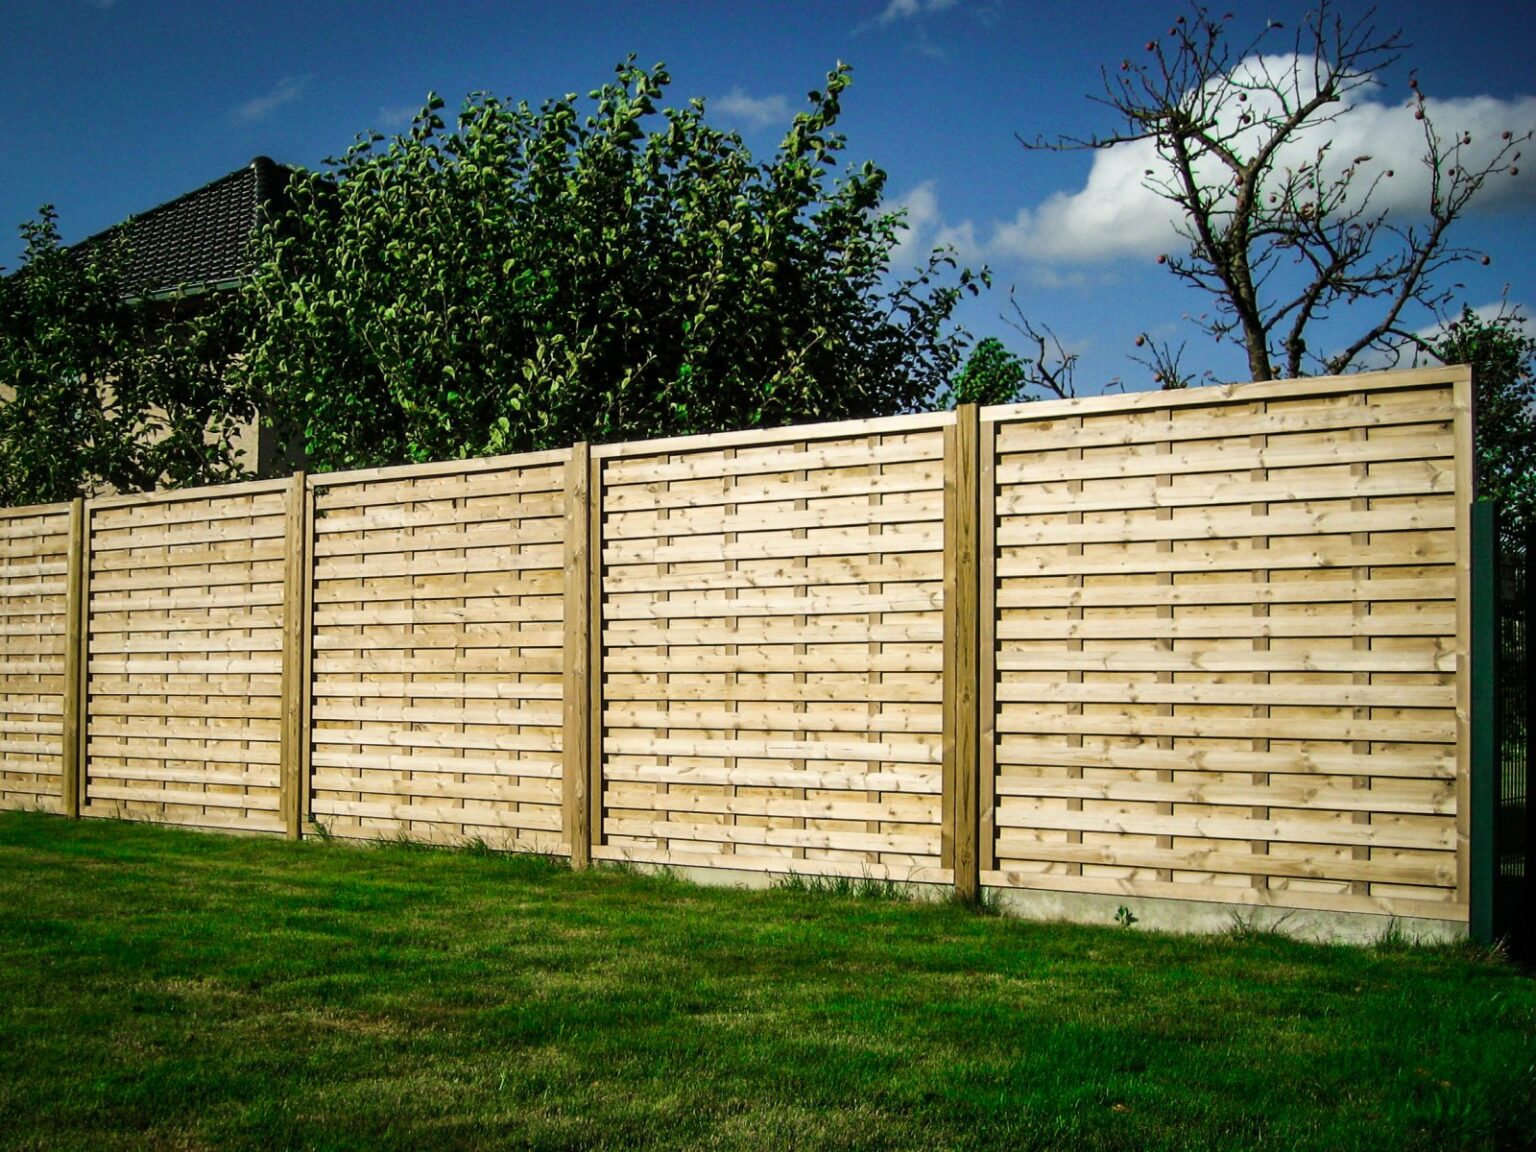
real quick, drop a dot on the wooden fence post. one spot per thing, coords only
(294, 735)
(986, 656)
(595, 651)
(962, 645)
(71, 770)
(576, 689)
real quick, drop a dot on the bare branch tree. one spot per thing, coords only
(1049, 367)
(1281, 234)
(1165, 362)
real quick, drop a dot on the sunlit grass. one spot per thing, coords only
(166, 989)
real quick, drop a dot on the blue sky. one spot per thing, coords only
(119, 105)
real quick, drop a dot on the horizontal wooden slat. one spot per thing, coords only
(918, 869)
(1225, 423)
(713, 607)
(905, 509)
(510, 789)
(490, 740)
(438, 661)
(1422, 478)
(1321, 794)
(1199, 859)
(183, 752)
(1022, 595)
(1429, 622)
(171, 564)
(1441, 837)
(327, 687)
(325, 757)
(1275, 896)
(424, 615)
(695, 465)
(409, 543)
(1434, 444)
(202, 798)
(927, 631)
(1257, 695)
(481, 639)
(537, 557)
(1423, 762)
(834, 543)
(542, 819)
(772, 487)
(784, 837)
(1207, 525)
(1433, 730)
(413, 588)
(230, 821)
(146, 546)
(873, 751)
(1413, 550)
(811, 777)
(527, 468)
(755, 686)
(489, 507)
(1433, 656)
(448, 712)
(907, 810)
(827, 571)
(768, 718)
(753, 660)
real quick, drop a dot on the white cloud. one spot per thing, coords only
(399, 117)
(1373, 359)
(1490, 311)
(286, 91)
(922, 208)
(906, 9)
(1115, 215)
(755, 111)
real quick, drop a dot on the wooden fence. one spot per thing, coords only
(1205, 645)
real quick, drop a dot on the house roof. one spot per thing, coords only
(199, 241)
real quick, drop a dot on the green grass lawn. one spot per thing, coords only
(168, 989)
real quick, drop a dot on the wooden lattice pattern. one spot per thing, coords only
(34, 564)
(1225, 646)
(771, 617)
(437, 653)
(184, 664)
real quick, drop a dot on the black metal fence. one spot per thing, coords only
(1503, 841)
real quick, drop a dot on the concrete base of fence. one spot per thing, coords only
(1197, 916)
(1183, 916)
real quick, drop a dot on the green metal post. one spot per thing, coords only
(1485, 735)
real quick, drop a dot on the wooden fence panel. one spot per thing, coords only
(34, 564)
(1201, 645)
(437, 640)
(1226, 647)
(184, 657)
(772, 628)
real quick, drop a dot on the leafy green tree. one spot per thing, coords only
(531, 278)
(991, 375)
(98, 394)
(1503, 358)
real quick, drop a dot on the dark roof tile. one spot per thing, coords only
(199, 240)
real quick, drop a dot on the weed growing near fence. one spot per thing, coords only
(171, 989)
